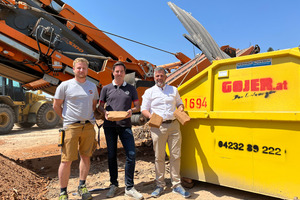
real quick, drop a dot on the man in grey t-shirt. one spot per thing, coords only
(75, 101)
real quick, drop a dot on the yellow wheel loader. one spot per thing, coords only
(24, 109)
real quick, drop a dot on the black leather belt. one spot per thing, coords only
(82, 122)
(168, 121)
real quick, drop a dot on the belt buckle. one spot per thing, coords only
(82, 122)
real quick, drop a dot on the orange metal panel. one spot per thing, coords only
(98, 36)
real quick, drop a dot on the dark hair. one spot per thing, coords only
(119, 63)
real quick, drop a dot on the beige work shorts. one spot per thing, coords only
(78, 137)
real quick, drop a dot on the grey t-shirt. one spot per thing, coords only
(78, 100)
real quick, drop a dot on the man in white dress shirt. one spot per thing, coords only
(163, 99)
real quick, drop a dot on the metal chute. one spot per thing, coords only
(198, 34)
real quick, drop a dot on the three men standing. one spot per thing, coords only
(79, 98)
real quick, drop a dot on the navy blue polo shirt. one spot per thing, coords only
(118, 98)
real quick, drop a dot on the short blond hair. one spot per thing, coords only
(77, 60)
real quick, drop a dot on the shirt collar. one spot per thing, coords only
(163, 88)
(114, 84)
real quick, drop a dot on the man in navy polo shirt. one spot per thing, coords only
(119, 96)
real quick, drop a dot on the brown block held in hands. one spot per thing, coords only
(155, 120)
(182, 117)
(116, 115)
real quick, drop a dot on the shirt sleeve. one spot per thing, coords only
(60, 91)
(135, 96)
(146, 102)
(103, 94)
(178, 99)
(96, 97)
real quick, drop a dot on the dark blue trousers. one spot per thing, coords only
(127, 139)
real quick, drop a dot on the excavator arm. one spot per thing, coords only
(40, 39)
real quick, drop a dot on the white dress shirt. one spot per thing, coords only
(162, 101)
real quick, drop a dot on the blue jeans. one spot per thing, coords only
(126, 137)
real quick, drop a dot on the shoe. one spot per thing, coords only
(84, 193)
(133, 193)
(157, 192)
(63, 196)
(112, 191)
(180, 190)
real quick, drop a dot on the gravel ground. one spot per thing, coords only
(31, 158)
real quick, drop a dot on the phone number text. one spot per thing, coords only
(270, 150)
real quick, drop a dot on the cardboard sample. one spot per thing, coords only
(155, 120)
(116, 115)
(182, 116)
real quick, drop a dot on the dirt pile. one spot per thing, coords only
(23, 179)
(18, 182)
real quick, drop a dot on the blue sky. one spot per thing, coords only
(268, 23)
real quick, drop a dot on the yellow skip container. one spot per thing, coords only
(245, 124)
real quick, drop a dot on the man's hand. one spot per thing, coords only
(101, 109)
(106, 115)
(129, 113)
(180, 107)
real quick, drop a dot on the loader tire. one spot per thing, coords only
(24, 125)
(47, 117)
(7, 119)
